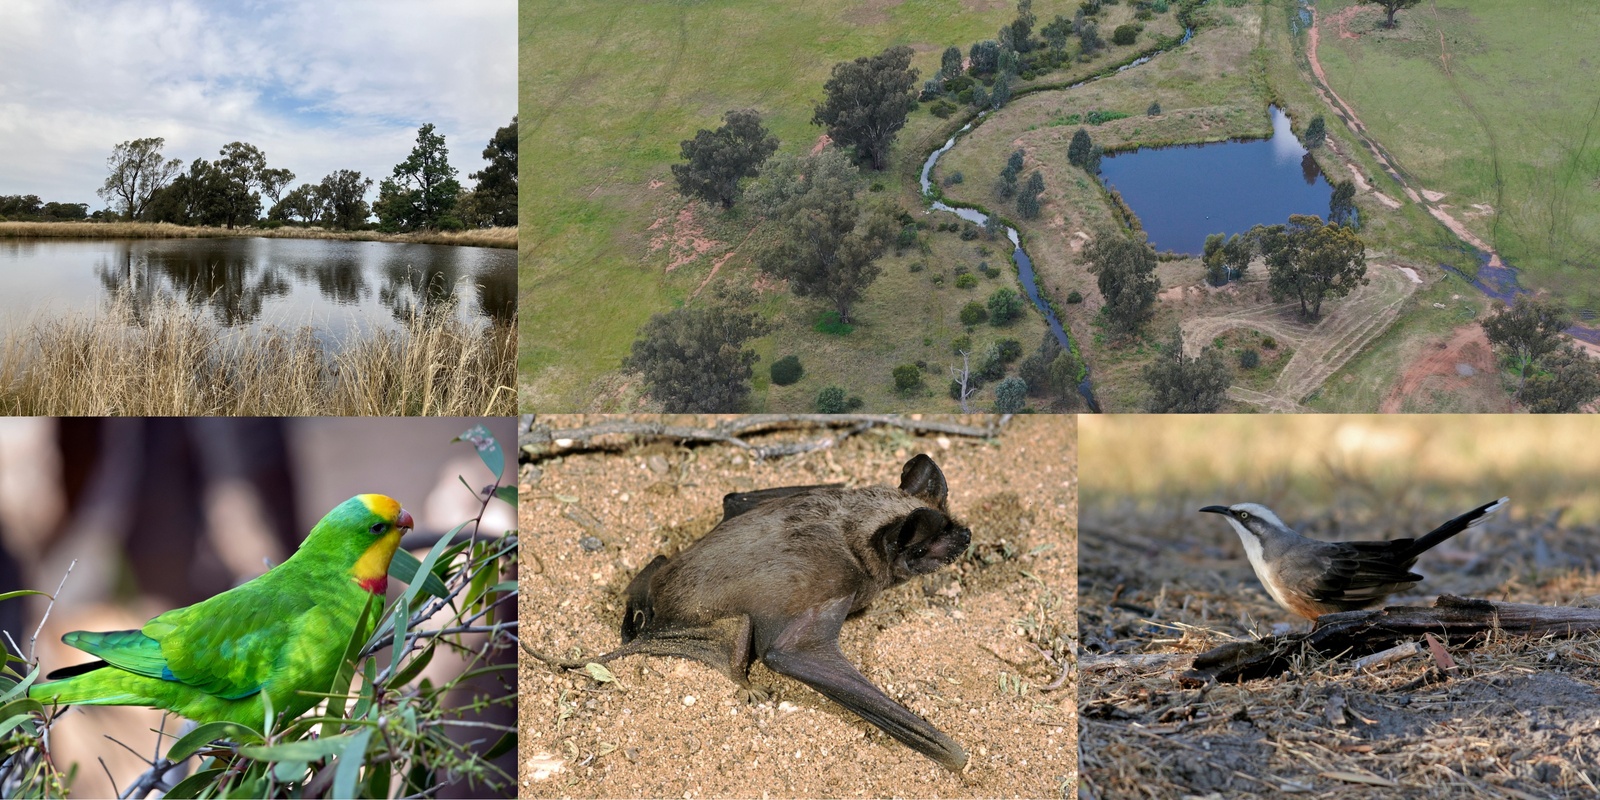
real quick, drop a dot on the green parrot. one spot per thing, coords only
(281, 636)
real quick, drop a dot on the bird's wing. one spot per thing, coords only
(227, 645)
(1362, 572)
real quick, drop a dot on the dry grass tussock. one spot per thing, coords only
(1519, 717)
(479, 237)
(175, 361)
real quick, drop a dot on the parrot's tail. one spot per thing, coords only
(95, 685)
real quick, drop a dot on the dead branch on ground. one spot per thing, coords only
(1459, 621)
(538, 442)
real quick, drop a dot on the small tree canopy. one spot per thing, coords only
(1568, 380)
(1079, 150)
(1310, 261)
(1010, 395)
(867, 103)
(717, 160)
(1182, 385)
(1005, 306)
(137, 170)
(1125, 270)
(829, 248)
(1316, 132)
(1528, 331)
(693, 358)
(1342, 205)
(1391, 6)
(423, 191)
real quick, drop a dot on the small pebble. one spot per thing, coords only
(688, 700)
(591, 543)
(787, 707)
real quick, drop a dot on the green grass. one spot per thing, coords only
(1514, 123)
(608, 99)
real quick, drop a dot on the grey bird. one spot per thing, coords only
(1312, 578)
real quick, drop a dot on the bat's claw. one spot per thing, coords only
(752, 695)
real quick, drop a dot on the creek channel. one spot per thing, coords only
(1019, 256)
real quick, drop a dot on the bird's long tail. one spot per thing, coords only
(96, 685)
(1471, 519)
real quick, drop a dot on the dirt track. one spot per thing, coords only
(1321, 348)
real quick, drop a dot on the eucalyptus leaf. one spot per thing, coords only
(350, 761)
(507, 494)
(305, 750)
(403, 567)
(203, 735)
(191, 786)
(599, 672)
(488, 448)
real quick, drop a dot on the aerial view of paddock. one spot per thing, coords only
(1182, 205)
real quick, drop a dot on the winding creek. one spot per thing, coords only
(1019, 255)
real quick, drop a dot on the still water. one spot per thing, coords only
(1183, 193)
(336, 287)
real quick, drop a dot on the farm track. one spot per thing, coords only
(1321, 348)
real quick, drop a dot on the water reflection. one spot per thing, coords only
(332, 285)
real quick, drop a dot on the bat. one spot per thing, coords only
(779, 575)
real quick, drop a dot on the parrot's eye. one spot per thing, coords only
(379, 527)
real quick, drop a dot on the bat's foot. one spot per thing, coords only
(752, 695)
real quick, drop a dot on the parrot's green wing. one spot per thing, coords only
(228, 645)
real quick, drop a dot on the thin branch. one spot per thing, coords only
(33, 643)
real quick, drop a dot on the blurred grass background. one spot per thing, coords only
(1369, 467)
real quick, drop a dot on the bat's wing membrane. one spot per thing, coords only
(737, 503)
(808, 651)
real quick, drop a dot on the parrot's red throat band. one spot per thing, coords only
(376, 586)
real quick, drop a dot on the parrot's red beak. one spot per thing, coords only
(404, 520)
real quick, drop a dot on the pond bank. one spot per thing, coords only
(484, 237)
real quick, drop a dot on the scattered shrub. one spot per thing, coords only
(937, 280)
(1005, 305)
(962, 342)
(966, 281)
(1249, 359)
(831, 401)
(907, 377)
(854, 403)
(1269, 343)
(955, 178)
(1074, 297)
(1009, 395)
(961, 269)
(917, 266)
(942, 108)
(1010, 350)
(1125, 34)
(1154, 110)
(787, 370)
(969, 232)
(877, 186)
(973, 313)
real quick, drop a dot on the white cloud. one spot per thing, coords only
(317, 86)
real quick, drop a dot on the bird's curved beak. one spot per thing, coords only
(404, 520)
(1217, 510)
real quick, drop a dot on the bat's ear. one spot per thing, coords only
(922, 479)
(928, 540)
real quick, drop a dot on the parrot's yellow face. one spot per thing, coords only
(387, 524)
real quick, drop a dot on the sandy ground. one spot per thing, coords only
(952, 646)
(1462, 362)
(1522, 719)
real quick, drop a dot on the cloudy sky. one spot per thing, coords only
(318, 86)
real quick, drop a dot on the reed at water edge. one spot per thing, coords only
(174, 360)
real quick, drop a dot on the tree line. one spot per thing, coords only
(29, 208)
(232, 190)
